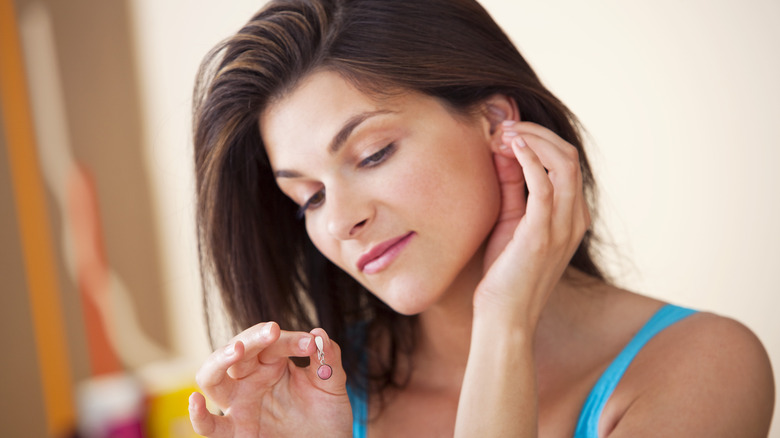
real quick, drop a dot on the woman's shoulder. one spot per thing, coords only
(705, 372)
(711, 350)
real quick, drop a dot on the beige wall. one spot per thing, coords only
(171, 38)
(681, 102)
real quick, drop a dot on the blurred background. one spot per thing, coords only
(101, 307)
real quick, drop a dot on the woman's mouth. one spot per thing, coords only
(382, 255)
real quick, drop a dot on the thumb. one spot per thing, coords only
(327, 371)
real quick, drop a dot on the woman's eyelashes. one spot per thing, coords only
(313, 202)
(375, 159)
(379, 156)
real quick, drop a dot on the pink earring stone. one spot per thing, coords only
(324, 372)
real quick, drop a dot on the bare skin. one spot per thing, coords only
(511, 341)
(705, 348)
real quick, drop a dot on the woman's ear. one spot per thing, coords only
(499, 107)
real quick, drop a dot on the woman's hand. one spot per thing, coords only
(262, 393)
(530, 247)
(534, 237)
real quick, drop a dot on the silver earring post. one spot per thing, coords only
(324, 371)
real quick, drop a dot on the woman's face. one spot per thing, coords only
(398, 192)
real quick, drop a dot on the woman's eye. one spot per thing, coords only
(379, 156)
(313, 202)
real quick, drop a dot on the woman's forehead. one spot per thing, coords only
(319, 107)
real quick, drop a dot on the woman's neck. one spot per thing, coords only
(444, 330)
(444, 333)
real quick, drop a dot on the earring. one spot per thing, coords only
(324, 371)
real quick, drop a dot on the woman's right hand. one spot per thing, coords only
(262, 393)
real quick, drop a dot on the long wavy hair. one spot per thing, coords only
(254, 253)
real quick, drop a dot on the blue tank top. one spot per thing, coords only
(587, 424)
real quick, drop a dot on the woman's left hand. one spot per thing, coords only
(535, 236)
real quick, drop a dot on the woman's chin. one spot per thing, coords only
(414, 293)
(409, 303)
(408, 310)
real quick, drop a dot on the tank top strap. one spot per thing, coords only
(357, 399)
(587, 424)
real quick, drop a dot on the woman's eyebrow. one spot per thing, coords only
(339, 139)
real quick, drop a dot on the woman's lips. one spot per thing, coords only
(380, 256)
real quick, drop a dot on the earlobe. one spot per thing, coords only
(499, 107)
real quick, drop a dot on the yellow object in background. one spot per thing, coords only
(168, 415)
(150, 402)
(168, 386)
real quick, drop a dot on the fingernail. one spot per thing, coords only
(304, 343)
(230, 349)
(510, 134)
(519, 142)
(266, 331)
(508, 123)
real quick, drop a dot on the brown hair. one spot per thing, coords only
(252, 247)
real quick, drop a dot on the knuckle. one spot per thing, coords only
(197, 427)
(572, 168)
(588, 220)
(201, 379)
(568, 169)
(335, 347)
(545, 192)
(539, 245)
(562, 240)
(572, 153)
(577, 235)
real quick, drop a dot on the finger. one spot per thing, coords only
(563, 168)
(212, 376)
(540, 189)
(557, 155)
(327, 373)
(255, 339)
(537, 130)
(288, 344)
(272, 347)
(204, 422)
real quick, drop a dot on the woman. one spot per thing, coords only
(395, 173)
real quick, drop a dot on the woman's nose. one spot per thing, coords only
(348, 215)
